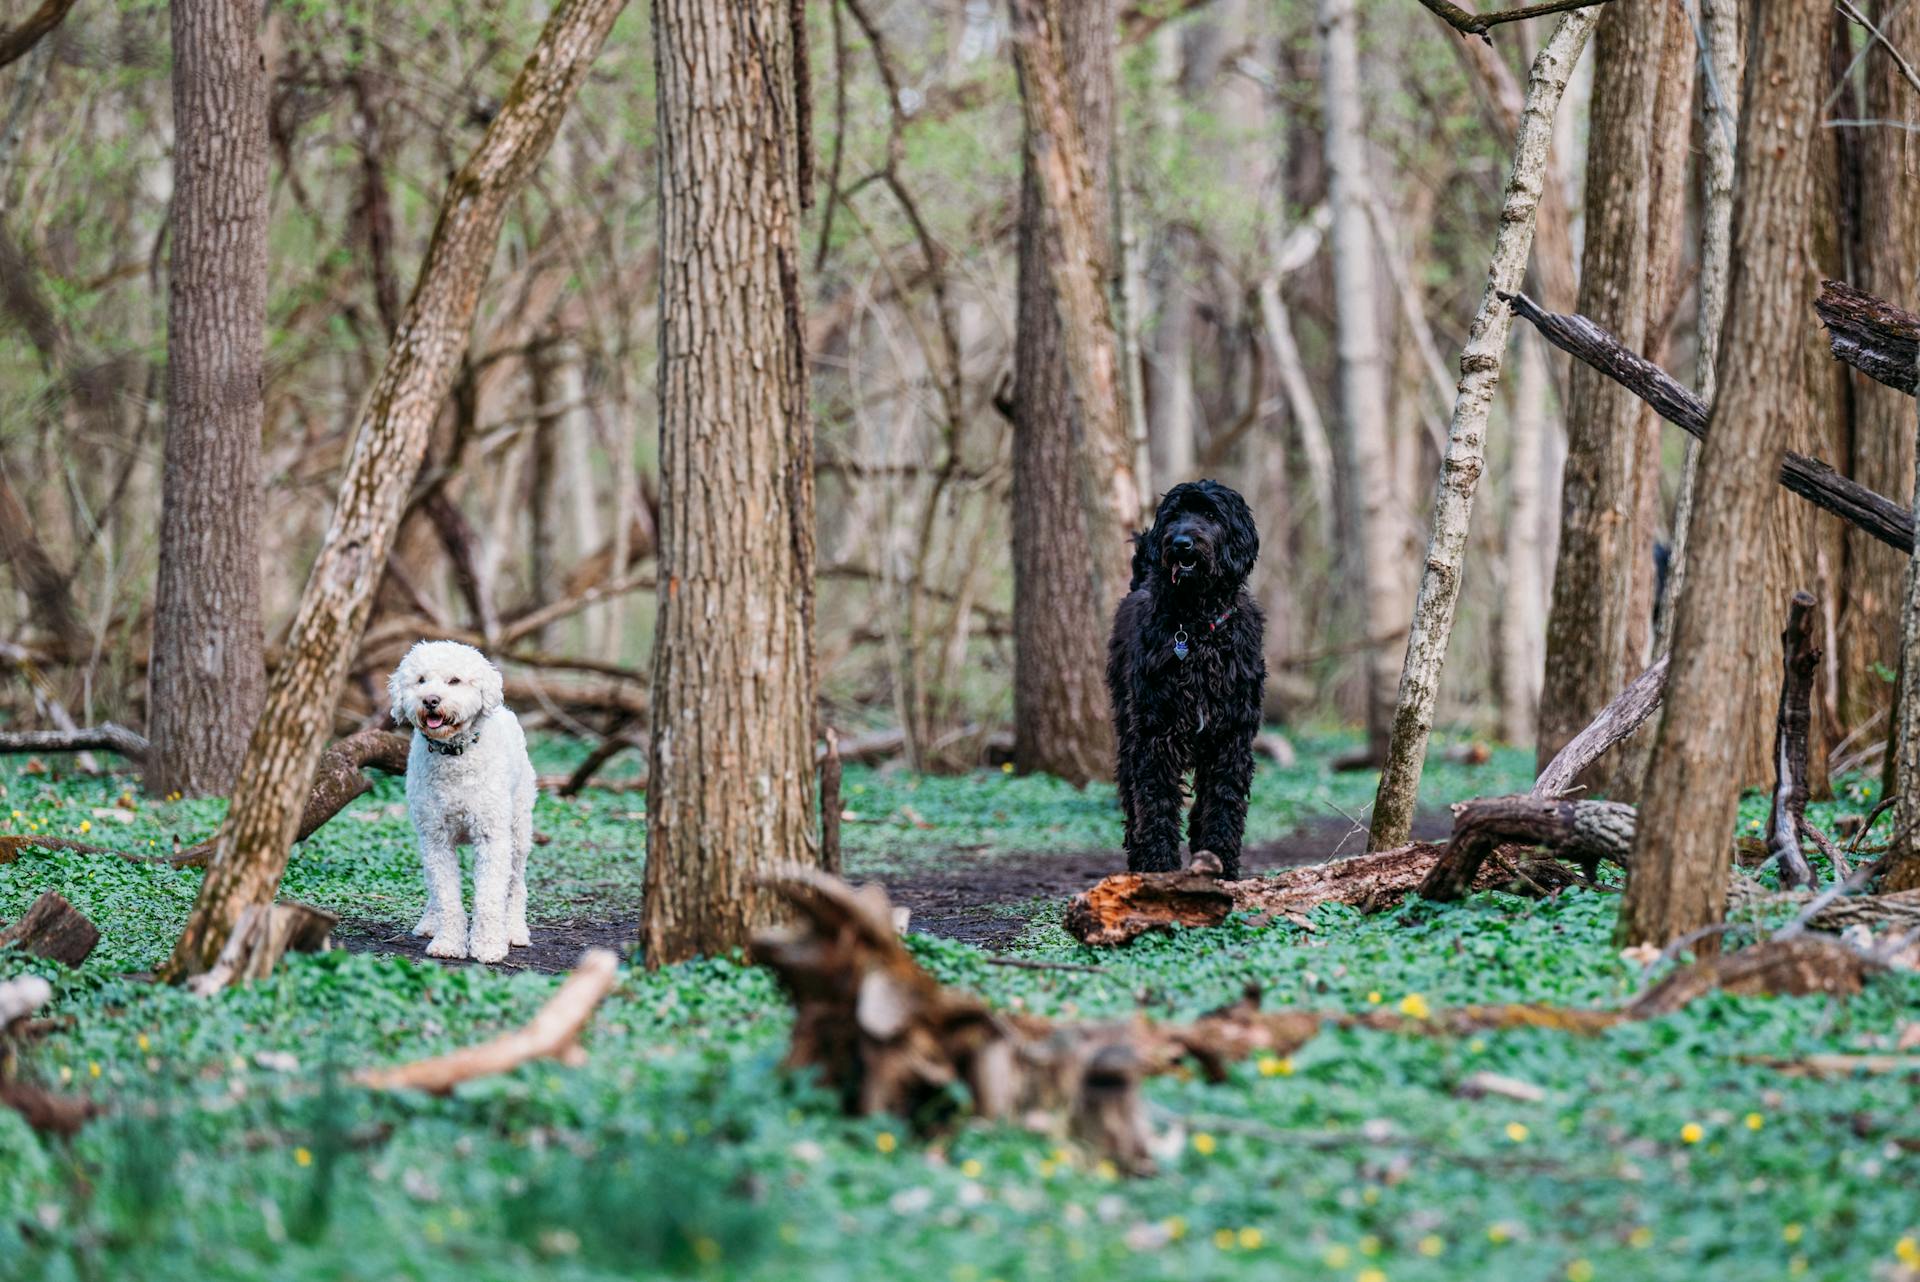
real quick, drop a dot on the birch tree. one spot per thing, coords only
(1362, 368)
(1465, 456)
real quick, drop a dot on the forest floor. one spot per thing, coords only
(231, 1149)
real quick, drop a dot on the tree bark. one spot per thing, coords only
(1677, 880)
(732, 763)
(208, 678)
(250, 851)
(1066, 584)
(1882, 447)
(54, 929)
(1599, 624)
(1800, 657)
(16, 41)
(1465, 457)
(1362, 368)
(1523, 611)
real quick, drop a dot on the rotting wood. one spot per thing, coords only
(1809, 478)
(264, 934)
(553, 1033)
(44, 1111)
(1877, 338)
(888, 1038)
(53, 929)
(1800, 659)
(1125, 906)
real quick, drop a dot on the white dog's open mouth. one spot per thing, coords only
(433, 721)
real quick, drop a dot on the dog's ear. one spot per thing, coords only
(395, 707)
(1241, 546)
(492, 687)
(1145, 553)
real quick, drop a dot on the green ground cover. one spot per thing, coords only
(1661, 1150)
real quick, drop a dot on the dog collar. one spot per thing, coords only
(1213, 625)
(450, 748)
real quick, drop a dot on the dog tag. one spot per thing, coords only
(1180, 644)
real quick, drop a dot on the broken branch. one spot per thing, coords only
(106, 737)
(1800, 656)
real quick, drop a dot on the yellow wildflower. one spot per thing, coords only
(302, 1157)
(971, 1168)
(1755, 1121)
(1337, 1257)
(1176, 1227)
(1369, 1245)
(1374, 998)
(1641, 1238)
(1516, 1131)
(1223, 1238)
(1204, 1144)
(1431, 1245)
(1272, 1067)
(1791, 1233)
(1250, 1239)
(1414, 1006)
(885, 1142)
(1908, 1251)
(1370, 1275)
(1579, 1271)
(86, 825)
(1692, 1133)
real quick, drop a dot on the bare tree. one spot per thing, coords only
(209, 679)
(1465, 455)
(731, 776)
(1075, 498)
(1600, 623)
(1362, 368)
(1676, 882)
(251, 848)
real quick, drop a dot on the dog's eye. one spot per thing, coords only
(422, 681)
(453, 681)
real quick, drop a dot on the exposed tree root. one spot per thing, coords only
(553, 1033)
(891, 1039)
(264, 934)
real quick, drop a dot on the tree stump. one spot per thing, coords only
(53, 929)
(265, 933)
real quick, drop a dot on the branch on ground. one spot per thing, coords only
(106, 737)
(889, 1038)
(553, 1033)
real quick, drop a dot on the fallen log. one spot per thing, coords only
(1800, 657)
(1812, 480)
(1584, 832)
(553, 1033)
(54, 929)
(1125, 906)
(1872, 335)
(265, 934)
(106, 737)
(44, 1111)
(889, 1038)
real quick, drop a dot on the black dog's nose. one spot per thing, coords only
(1183, 543)
(431, 702)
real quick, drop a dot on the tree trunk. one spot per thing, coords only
(1460, 469)
(251, 848)
(1883, 429)
(1800, 656)
(208, 678)
(1061, 613)
(1677, 880)
(731, 771)
(1724, 68)
(1599, 625)
(1523, 613)
(1362, 368)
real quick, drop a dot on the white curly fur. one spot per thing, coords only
(450, 694)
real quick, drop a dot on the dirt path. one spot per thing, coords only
(979, 898)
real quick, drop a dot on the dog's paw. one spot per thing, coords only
(488, 948)
(447, 945)
(429, 925)
(520, 938)
(1206, 863)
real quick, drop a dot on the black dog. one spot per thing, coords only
(1186, 672)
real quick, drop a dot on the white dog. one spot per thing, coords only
(468, 780)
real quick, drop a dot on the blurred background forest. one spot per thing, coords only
(530, 528)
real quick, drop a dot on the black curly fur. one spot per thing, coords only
(1200, 713)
